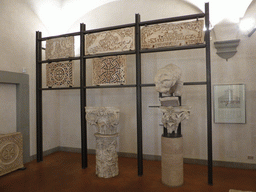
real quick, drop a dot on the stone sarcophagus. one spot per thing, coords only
(11, 152)
(105, 120)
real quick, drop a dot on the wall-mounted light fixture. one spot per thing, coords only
(226, 49)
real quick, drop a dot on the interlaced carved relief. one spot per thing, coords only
(110, 41)
(109, 70)
(62, 47)
(172, 34)
(11, 152)
(59, 74)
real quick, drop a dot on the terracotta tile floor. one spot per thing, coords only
(61, 171)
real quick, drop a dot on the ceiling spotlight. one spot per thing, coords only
(246, 25)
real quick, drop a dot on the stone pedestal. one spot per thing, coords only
(172, 161)
(106, 155)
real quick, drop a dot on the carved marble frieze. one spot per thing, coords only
(59, 74)
(104, 119)
(172, 116)
(106, 155)
(62, 47)
(109, 70)
(110, 41)
(172, 34)
(11, 152)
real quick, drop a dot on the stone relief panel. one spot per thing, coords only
(11, 152)
(172, 116)
(110, 41)
(106, 155)
(104, 119)
(172, 34)
(59, 74)
(62, 47)
(109, 70)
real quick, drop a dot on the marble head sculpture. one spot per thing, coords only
(167, 80)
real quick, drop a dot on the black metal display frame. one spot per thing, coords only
(138, 51)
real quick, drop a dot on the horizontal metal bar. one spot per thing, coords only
(148, 85)
(59, 88)
(172, 19)
(58, 36)
(195, 83)
(109, 28)
(117, 86)
(174, 48)
(185, 83)
(58, 60)
(109, 54)
(109, 86)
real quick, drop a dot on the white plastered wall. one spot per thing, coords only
(17, 41)
(61, 109)
(231, 142)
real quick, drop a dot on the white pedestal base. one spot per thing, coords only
(172, 161)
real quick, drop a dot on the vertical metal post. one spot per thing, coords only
(209, 97)
(179, 127)
(83, 97)
(39, 125)
(138, 96)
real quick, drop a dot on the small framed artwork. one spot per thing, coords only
(229, 103)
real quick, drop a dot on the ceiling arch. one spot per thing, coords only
(58, 15)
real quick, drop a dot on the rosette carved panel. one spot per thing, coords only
(59, 74)
(11, 152)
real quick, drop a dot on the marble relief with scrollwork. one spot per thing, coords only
(11, 152)
(110, 41)
(59, 74)
(62, 47)
(172, 34)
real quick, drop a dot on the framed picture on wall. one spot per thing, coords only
(229, 103)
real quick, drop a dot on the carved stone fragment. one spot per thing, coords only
(11, 152)
(62, 47)
(59, 74)
(109, 70)
(172, 34)
(110, 41)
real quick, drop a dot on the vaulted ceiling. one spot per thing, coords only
(72, 10)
